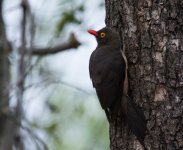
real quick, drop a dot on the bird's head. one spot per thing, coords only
(106, 36)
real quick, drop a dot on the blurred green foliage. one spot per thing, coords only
(69, 17)
(72, 121)
(69, 11)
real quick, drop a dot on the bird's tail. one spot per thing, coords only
(132, 114)
(135, 118)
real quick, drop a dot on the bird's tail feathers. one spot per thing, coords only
(135, 118)
(132, 115)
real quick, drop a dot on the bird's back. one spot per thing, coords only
(106, 67)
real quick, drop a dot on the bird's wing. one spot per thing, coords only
(107, 77)
(91, 61)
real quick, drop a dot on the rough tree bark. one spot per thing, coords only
(152, 37)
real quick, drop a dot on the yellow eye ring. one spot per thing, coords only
(102, 34)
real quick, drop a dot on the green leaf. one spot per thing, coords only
(52, 107)
(81, 8)
(68, 17)
(51, 128)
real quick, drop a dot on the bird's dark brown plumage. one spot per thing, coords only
(107, 68)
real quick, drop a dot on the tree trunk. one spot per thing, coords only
(6, 120)
(152, 37)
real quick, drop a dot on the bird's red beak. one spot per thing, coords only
(93, 32)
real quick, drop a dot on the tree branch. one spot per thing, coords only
(72, 43)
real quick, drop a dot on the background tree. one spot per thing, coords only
(6, 127)
(23, 67)
(152, 38)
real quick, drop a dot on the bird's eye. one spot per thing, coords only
(102, 35)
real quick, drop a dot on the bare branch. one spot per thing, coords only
(21, 71)
(34, 136)
(72, 43)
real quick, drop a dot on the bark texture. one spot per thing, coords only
(152, 37)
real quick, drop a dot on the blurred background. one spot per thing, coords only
(60, 106)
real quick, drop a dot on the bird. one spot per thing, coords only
(108, 69)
